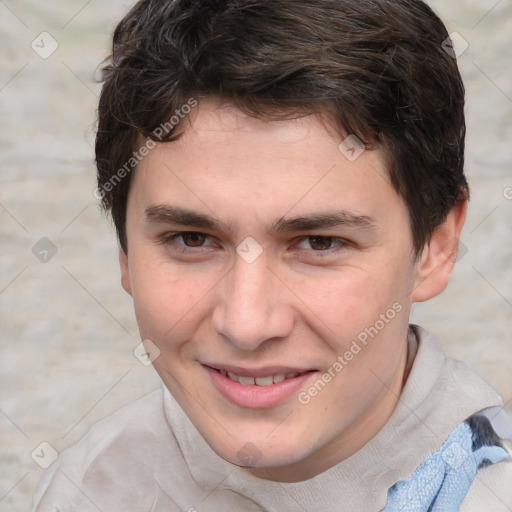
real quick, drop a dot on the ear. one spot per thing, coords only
(125, 271)
(438, 257)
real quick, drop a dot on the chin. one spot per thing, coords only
(260, 454)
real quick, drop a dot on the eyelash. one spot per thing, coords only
(170, 238)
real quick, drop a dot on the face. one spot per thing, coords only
(274, 274)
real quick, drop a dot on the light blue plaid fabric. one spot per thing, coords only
(442, 480)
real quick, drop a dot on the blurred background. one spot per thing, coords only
(67, 328)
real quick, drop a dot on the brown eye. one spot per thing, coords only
(320, 243)
(193, 239)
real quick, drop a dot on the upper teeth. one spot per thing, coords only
(258, 381)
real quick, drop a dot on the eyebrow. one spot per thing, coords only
(323, 220)
(174, 215)
(331, 219)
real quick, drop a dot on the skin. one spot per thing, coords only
(301, 303)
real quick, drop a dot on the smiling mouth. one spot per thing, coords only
(258, 388)
(260, 381)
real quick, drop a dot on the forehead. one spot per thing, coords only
(229, 163)
(214, 122)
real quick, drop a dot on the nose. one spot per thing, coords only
(252, 306)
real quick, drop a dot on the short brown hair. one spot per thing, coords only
(378, 67)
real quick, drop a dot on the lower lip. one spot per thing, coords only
(257, 397)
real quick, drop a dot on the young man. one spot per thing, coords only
(286, 179)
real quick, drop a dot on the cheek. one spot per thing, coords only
(362, 314)
(349, 300)
(168, 301)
